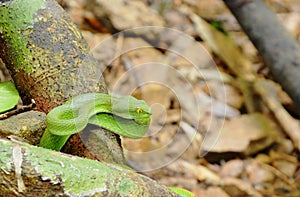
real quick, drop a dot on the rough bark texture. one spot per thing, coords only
(55, 63)
(279, 50)
(50, 62)
(28, 126)
(27, 170)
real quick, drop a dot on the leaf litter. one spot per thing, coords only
(220, 125)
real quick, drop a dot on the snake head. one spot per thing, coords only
(141, 113)
(131, 108)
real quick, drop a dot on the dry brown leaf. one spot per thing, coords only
(198, 171)
(213, 192)
(124, 14)
(285, 163)
(225, 93)
(246, 134)
(258, 174)
(216, 107)
(196, 75)
(225, 48)
(207, 8)
(268, 91)
(237, 187)
(232, 168)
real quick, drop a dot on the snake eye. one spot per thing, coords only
(138, 110)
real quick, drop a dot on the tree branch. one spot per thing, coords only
(279, 50)
(50, 62)
(26, 170)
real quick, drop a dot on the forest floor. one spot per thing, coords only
(211, 133)
(204, 136)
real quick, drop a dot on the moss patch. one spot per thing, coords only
(6, 156)
(16, 21)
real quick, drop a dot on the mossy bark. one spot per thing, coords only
(27, 170)
(48, 58)
(50, 62)
(29, 126)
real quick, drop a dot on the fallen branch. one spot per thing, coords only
(279, 50)
(26, 170)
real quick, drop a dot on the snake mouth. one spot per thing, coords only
(142, 121)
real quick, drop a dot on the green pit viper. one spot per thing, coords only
(125, 115)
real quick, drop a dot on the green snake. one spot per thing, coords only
(125, 115)
(181, 192)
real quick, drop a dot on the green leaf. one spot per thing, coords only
(9, 96)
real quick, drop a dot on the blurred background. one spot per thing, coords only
(211, 132)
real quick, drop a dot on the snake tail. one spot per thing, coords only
(182, 192)
(57, 141)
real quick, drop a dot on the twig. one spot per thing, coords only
(19, 109)
(268, 92)
(280, 175)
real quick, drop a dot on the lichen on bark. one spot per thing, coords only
(11, 22)
(46, 54)
(55, 174)
(60, 61)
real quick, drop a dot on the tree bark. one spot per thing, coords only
(27, 170)
(279, 50)
(50, 62)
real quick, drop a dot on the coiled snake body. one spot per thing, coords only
(123, 115)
